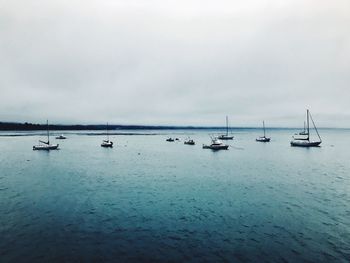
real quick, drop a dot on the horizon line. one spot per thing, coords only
(150, 126)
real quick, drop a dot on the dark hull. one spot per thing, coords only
(107, 144)
(224, 137)
(263, 139)
(215, 148)
(304, 144)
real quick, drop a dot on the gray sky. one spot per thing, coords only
(181, 62)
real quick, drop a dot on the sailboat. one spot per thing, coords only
(305, 142)
(46, 145)
(107, 143)
(263, 138)
(226, 136)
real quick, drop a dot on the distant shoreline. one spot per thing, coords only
(13, 126)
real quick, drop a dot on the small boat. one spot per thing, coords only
(177, 139)
(304, 132)
(46, 145)
(263, 138)
(170, 140)
(107, 143)
(305, 141)
(61, 137)
(189, 142)
(226, 136)
(215, 145)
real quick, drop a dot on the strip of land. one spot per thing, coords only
(14, 126)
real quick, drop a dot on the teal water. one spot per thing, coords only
(154, 201)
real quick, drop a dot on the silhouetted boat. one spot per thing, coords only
(263, 138)
(189, 141)
(107, 143)
(170, 140)
(61, 137)
(46, 145)
(226, 136)
(216, 144)
(305, 141)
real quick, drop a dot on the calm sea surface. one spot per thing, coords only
(150, 200)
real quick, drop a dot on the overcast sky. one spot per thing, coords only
(181, 62)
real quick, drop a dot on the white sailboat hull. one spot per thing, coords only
(263, 139)
(46, 147)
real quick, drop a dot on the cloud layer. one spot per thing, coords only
(175, 62)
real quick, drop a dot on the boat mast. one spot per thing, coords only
(107, 133)
(226, 125)
(308, 125)
(264, 128)
(48, 134)
(304, 127)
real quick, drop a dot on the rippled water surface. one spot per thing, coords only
(150, 200)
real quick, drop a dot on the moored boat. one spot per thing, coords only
(170, 140)
(304, 132)
(263, 138)
(107, 143)
(61, 137)
(215, 145)
(46, 145)
(305, 141)
(189, 142)
(226, 136)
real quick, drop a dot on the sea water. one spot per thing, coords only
(151, 200)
